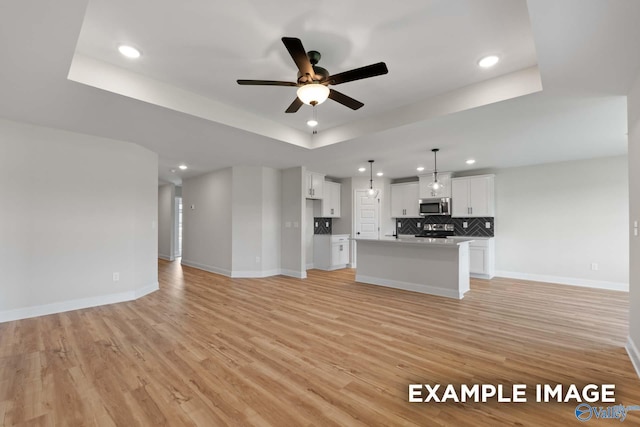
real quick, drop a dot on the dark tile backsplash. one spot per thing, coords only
(320, 225)
(475, 226)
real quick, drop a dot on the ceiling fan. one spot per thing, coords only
(313, 80)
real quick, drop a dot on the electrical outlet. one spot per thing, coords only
(419, 224)
(399, 225)
(316, 224)
(326, 224)
(594, 266)
(116, 277)
(487, 225)
(465, 224)
(193, 207)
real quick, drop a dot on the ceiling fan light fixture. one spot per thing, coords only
(313, 93)
(312, 123)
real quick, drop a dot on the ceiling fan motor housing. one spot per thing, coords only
(321, 73)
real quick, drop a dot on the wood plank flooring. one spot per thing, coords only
(207, 350)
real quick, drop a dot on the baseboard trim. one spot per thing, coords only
(77, 304)
(572, 281)
(166, 257)
(209, 268)
(293, 273)
(310, 266)
(634, 355)
(407, 286)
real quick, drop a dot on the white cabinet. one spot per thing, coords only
(329, 207)
(482, 258)
(330, 252)
(473, 196)
(404, 200)
(428, 193)
(315, 184)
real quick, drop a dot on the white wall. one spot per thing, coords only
(293, 213)
(554, 220)
(246, 221)
(271, 220)
(75, 209)
(207, 229)
(633, 345)
(166, 221)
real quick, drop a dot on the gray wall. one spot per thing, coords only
(207, 229)
(271, 220)
(634, 214)
(166, 221)
(554, 220)
(293, 255)
(75, 209)
(235, 227)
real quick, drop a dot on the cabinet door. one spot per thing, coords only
(309, 187)
(460, 198)
(317, 184)
(344, 253)
(477, 260)
(331, 200)
(480, 202)
(335, 254)
(411, 206)
(397, 201)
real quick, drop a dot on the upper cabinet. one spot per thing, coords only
(428, 193)
(329, 207)
(404, 200)
(315, 184)
(473, 196)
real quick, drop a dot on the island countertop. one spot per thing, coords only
(422, 241)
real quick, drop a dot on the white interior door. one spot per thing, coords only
(367, 216)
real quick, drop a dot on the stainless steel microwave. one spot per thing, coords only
(441, 206)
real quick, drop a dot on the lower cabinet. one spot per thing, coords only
(330, 251)
(482, 258)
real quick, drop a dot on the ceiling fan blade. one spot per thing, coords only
(359, 73)
(299, 55)
(295, 106)
(344, 99)
(266, 83)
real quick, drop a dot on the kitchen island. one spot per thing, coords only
(428, 265)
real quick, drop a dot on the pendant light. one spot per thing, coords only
(372, 192)
(435, 185)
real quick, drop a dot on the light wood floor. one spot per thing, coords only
(208, 350)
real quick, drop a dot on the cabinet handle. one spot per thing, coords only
(471, 210)
(340, 248)
(331, 211)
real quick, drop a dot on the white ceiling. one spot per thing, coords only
(584, 49)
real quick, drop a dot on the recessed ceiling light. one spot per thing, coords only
(488, 61)
(420, 169)
(183, 167)
(362, 169)
(129, 51)
(470, 161)
(379, 174)
(312, 123)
